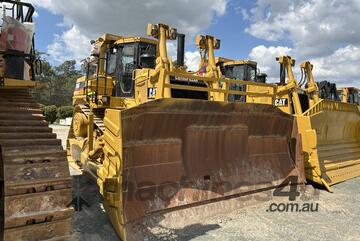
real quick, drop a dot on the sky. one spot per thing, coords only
(325, 32)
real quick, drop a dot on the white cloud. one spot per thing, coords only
(192, 60)
(130, 17)
(244, 14)
(340, 67)
(325, 32)
(70, 45)
(172, 50)
(266, 58)
(316, 27)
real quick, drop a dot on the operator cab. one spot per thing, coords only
(130, 54)
(126, 56)
(115, 59)
(328, 91)
(353, 96)
(239, 70)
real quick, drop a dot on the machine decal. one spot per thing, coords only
(281, 102)
(152, 92)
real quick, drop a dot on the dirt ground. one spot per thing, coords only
(336, 218)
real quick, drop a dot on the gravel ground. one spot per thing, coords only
(337, 218)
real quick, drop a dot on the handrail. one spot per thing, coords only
(19, 11)
(106, 71)
(272, 89)
(331, 105)
(225, 80)
(86, 89)
(209, 89)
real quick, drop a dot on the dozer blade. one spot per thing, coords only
(331, 138)
(35, 179)
(169, 155)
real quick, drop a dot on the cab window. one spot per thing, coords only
(127, 83)
(111, 61)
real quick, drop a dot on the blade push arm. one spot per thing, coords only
(292, 86)
(162, 32)
(312, 90)
(208, 44)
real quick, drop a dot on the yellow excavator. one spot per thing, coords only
(329, 128)
(35, 179)
(163, 142)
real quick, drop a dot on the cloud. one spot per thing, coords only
(171, 50)
(340, 67)
(266, 58)
(315, 27)
(192, 60)
(70, 45)
(325, 32)
(92, 18)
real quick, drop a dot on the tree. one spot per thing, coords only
(50, 113)
(64, 112)
(61, 83)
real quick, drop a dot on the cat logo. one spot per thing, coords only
(281, 102)
(151, 93)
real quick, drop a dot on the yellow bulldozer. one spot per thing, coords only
(161, 140)
(35, 179)
(349, 95)
(329, 128)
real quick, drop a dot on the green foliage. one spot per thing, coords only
(50, 113)
(64, 112)
(61, 81)
(56, 99)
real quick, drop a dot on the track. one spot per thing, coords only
(35, 179)
(98, 116)
(98, 119)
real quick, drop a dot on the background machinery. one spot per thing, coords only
(240, 69)
(35, 180)
(328, 90)
(161, 141)
(349, 95)
(329, 127)
(245, 70)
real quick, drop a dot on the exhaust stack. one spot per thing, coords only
(180, 49)
(282, 74)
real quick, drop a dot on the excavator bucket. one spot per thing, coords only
(331, 138)
(169, 155)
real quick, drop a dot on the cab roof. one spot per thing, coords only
(350, 88)
(227, 62)
(135, 39)
(118, 39)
